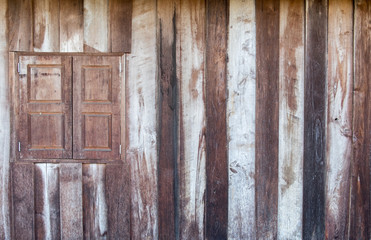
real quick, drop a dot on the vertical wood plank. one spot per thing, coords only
(118, 201)
(46, 26)
(141, 121)
(339, 117)
(216, 132)
(71, 26)
(20, 25)
(94, 201)
(96, 26)
(120, 20)
(267, 88)
(241, 119)
(70, 176)
(192, 119)
(47, 212)
(23, 201)
(168, 120)
(4, 125)
(360, 205)
(315, 120)
(291, 120)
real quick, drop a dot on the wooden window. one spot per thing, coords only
(68, 107)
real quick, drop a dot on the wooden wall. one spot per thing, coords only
(244, 119)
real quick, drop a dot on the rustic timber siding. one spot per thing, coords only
(243, 119)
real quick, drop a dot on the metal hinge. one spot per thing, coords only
(19, 146)
(120, 149)
(19, 67)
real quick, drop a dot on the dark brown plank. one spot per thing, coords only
(167, 119)
(94, 201)
(71, 26)
(120, 15)
(266, 165)
(23, 201)
(118, 201)
(216, 132)
(360, 202)
(315, 120)
(20, 25)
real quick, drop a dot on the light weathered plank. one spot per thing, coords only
(141, 124)
(23, 201)
(168, 119)
(94, 201)
(71, 26)
(216, 131)
(20, 25)
(339, 117)
(241, 119)
(70, 185)
(96, 26)
(4, 125)
(291, 120)
(118, 201)
(315, 120)
(45, 26)
(360, 196)
(120, 20)
(192, 119)
(267, 117)
(47, 212)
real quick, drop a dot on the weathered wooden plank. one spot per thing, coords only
(315, 120)
(94, 201)
(141, 123)
(71, 26)
(96, 26)
(339, 118)
(192, 119)
(23, 201)
(70, 183)
(267, 89)
(216, 132)
(168, 119)
(20, 25)
(360, 218)
(45, 26)
(241, 119)
(120, 19)
(47, 212)
(118, 201)
(4, 125)
(291, 120)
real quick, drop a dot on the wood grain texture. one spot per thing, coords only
(71, 27)
(360, 218)
(192, 119)
(216, 132)
(267, 96)
(120, 20)
(47, 211)
(339, 118)
(45, 26)
(4, 125)
(117, 189)
(20, 25)
(23, 201)
(291, 120)
(241, 119)
(168, 119)
(96, 26)
(141, 121)
(71, 213)
(94, 201)
(315, 120)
